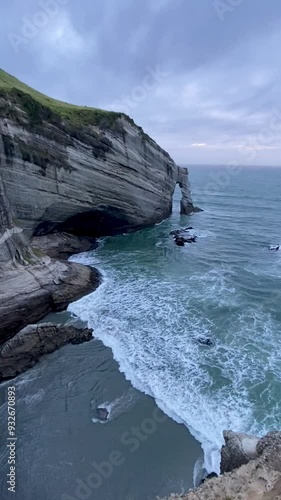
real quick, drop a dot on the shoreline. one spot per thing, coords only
(71, 327)
(29, 293)
(67, 318)
(65, 389)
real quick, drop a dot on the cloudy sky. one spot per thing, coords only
(202, 77)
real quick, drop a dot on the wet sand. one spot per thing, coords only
(63, 453)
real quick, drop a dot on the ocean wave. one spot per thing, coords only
(153, 306)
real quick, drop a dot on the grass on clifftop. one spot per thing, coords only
(40, 106)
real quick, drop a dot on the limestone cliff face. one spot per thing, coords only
(14, 248)
(69, 169)
(93, 180)
(186, 201)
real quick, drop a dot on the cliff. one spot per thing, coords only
(254, 467)
(14, 247)
(69, 169)
(27, 347)
(81, 170)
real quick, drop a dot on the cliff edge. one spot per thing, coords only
(81, 170)
(74, 170)
(254, 467)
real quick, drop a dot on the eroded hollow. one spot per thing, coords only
(93, 223)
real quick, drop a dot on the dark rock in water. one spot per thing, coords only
(179, 242)
(210, 476)
(25, 349)
(177, 232)
(181, 237)
(197, 210)
(102, 414)
(190, 239)
(205, 341)
(238, 450)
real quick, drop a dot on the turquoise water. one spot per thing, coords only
(158, 299)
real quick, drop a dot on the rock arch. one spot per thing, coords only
(187, 206)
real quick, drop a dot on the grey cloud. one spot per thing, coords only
(223, 82)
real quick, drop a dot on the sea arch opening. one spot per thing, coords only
(182, 192)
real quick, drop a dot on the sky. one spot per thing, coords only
(202, 77)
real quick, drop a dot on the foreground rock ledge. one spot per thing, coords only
(259, 479)
(61, 246)
(28, 293)
(25, 349)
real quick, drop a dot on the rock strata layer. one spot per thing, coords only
(95, 181)
(69, 169)
(25, 349)
(62, 245)
(28, 293)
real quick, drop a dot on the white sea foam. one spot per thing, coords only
(151, 309)
(152, 338)
(116, 407)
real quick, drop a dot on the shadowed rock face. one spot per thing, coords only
(58, 177)
(57, 182)
(238, 450)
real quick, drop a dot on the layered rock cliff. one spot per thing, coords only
(82, 172)
(14, 248)
(69, 169)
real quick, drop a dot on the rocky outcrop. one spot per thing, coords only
(25, 349)
(62, 245)
(259, 479)
(69, 169)
(238, 450)
(186, 202)
(102, 414)
(182, 236)
(93, 180)
(28, 293)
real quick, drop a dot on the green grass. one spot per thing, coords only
(39, 106)
(69, 118)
